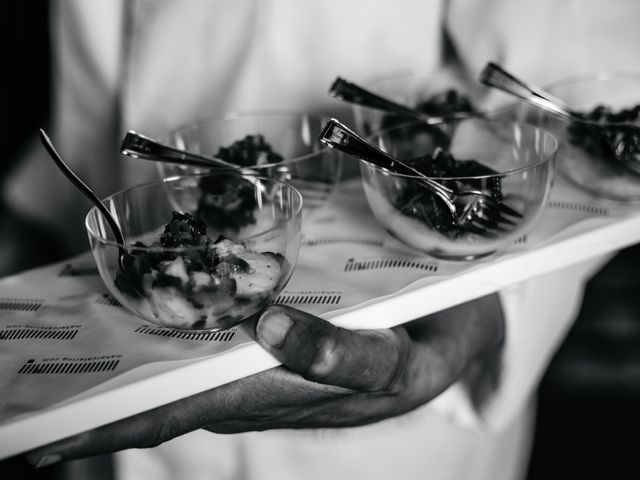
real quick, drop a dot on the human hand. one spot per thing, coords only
(331, 377)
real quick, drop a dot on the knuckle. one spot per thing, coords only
(164, 430)
(325, 359)
(397, 380)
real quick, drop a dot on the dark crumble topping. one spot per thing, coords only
(609, 135)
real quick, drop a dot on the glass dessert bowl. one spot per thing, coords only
(280, 145)
(509, 161)
(203, 252)
(600, 153)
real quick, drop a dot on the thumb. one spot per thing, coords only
(366, 360)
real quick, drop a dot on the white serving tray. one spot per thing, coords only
(576, 228)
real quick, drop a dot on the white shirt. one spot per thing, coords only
(154, 64)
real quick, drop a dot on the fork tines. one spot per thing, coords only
(508, 210)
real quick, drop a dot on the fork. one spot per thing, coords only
(471, 209)
(495, 76)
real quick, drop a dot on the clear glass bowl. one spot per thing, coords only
(414, 91)
(300, 159)
(517, 164)
(581, 160)
(188, 278)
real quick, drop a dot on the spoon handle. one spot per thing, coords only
(357, 95)
(46, 141)
(495, 76)
(137, 145)
(352, 93)
(336, 135)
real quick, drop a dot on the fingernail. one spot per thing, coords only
(45, 460)
(272, 328)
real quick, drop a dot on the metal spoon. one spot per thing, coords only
(77, 181)
(621, 140)
(137, 145)
(349, 92)
(497, 77)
